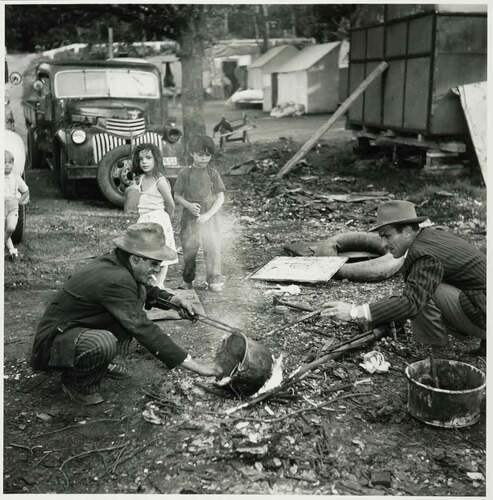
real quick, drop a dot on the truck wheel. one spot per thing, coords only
(34, 154)
(115, 174)
(67, 186)
(19, 229)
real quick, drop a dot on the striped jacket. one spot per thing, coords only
(437, 257)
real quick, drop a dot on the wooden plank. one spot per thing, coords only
(339, 112)
(160, 314)
(299, 269)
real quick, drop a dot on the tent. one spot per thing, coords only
(259, 72)
(310, 78)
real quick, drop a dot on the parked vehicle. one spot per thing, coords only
(84, 117)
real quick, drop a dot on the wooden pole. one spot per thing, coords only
(291, 164)
(110, 42)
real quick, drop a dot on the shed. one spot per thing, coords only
(430, 49)
(310, 78)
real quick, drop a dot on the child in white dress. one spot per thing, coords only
(156, 202)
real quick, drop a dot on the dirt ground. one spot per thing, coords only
(362, 442)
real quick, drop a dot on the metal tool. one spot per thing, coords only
(277, 301)
(161, 303)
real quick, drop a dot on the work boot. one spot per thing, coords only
(81, 398)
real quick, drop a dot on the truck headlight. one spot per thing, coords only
(79, 136)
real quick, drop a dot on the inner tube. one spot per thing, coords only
(377, 269)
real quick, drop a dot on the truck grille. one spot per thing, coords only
(103, 143)
(126, 128)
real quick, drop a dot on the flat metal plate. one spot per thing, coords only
(300, 269)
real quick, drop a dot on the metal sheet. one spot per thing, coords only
(474, 104)
(373, 98)
(417, 93)
(395, 39)
(374, 49)
(420, 35)
(356, 76)
(300, 269)
(394, 94)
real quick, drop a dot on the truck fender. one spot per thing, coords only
(62, 136)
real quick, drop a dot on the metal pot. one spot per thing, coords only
(457, 401)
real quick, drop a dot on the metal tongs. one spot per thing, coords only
(161, 303)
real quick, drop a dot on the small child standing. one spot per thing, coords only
(200, 190)
(16, 193)
(156, 202)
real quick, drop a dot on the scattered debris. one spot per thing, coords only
(374, 362)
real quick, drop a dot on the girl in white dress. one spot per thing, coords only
(156, 201)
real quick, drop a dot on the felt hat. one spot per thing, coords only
(145, 240)
(396, 212)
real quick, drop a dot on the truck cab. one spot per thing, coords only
(83, 119)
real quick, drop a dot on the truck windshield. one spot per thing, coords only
(123, 83)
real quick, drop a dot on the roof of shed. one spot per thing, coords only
(308, 57)
(268, 56)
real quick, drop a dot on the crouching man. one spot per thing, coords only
(99, 310)
(445, 281)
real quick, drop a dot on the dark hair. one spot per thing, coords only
(156, 153)
(122, 256)
(201, 143)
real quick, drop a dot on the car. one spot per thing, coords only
(83, 119)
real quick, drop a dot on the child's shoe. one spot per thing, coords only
(13, 253)
(186, 285)
(216, 285)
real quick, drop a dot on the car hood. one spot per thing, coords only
(123, 109)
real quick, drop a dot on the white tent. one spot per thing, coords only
(263, 65)
(310, 78)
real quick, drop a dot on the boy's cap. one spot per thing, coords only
(201, 144)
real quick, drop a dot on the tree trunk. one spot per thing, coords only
(192, 92)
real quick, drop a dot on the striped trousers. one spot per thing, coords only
(94, 350)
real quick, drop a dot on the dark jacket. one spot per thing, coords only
(103, 295)
(436, 257)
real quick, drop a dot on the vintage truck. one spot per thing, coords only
(84, 117)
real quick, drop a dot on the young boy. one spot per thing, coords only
(16, 193)
(200, 190)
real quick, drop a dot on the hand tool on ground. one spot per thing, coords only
(277, 301)
(161, 303)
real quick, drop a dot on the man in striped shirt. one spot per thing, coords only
(445, 281)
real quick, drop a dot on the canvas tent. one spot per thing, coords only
(310, 78)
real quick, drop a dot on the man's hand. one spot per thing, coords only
(202, 368)
(337, 310)
(201, 219)
(189, 307)
(194, 208)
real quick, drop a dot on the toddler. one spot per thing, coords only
(16, 193)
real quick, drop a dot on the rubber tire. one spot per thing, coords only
(18, 234)
(377, 269)
(35, 157)
(67, 186)
(109, 189)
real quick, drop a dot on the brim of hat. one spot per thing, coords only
(164, 253)
(399, 221)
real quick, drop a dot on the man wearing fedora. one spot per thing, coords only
(445, 281)
(101, 308)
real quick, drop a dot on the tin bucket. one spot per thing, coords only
(456, 403)
(248, 363)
